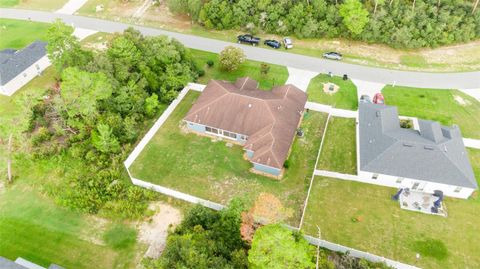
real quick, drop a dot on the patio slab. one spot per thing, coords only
(420, 202)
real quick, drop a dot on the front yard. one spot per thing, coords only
(211, 170)
(277, 74)
(345, 98)
(21, 33)
(339, 148)
(364, 217)
(446, 106)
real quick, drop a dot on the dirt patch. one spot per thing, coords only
(460, 100)
(154, 232)
(330, 88)
(161, 15)
(95, 228)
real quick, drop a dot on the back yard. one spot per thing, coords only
(339, 148)
(446, 106)
(345, 97)
(369, 220)
(199, 166)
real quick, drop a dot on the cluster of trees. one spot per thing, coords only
(217, 239)
(98, 108)
(398, 23)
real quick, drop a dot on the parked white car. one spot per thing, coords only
(287, 42)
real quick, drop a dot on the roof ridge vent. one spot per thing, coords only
(427, 147)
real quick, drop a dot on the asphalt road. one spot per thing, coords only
(466, 80)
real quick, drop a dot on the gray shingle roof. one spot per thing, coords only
(435, 153)
(13, 63)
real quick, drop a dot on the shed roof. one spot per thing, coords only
(435, 153)
(13, 62)
(268, 118)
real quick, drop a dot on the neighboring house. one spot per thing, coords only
(431, 158)
(18, 67)
(264, 122)
(21, 263)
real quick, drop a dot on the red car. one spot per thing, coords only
(379, 99)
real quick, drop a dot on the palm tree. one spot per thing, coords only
(475, 6)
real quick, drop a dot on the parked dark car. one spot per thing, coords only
(272, 43)
(332, 55)
(365, 99)
(248, 39)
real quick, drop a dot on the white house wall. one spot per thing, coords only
(428, 187)
(23, 78)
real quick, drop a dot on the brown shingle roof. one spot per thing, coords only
(268, 118)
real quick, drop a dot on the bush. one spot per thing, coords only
(201, 73)
(210, 63)
(231, 58)
(286, 164)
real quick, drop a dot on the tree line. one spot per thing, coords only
(97, 110)
(398, 23)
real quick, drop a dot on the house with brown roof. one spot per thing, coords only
(264, 122)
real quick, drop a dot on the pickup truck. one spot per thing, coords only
(248, 39)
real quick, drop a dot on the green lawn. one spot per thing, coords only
(363, 216)
(34, 228)
(438, 105)
(16, 34)
(339, 148)
(34, 4)
(345, 98)
(276, 76)
(195, 165)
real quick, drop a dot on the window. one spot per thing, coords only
(458, 189)
(399, 180)
(415, 185)
(375, 176)
(225, 133)
(243, 137)
(211, 130)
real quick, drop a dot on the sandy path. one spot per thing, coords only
(154, 233)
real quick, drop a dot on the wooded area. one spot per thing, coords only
(398, 23)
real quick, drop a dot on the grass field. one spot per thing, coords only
(34, 4)
(195, 165)
(276, 76)
(339, 148)
(444, 106)
(345, 98)
(363, 216)
(34, 228)
(16, 34)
